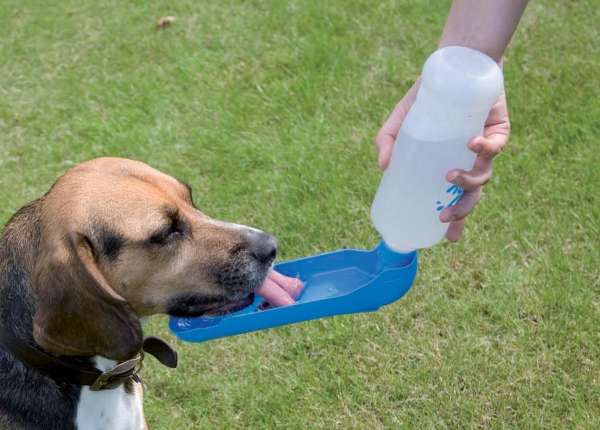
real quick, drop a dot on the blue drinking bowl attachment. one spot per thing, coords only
(335, 283)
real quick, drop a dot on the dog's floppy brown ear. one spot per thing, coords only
(77, 313)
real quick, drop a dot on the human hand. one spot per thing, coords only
(495, 135)
(280, 290)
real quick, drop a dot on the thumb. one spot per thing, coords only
(385, 144)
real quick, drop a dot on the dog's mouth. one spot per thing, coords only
(230, 307)
(196, 305)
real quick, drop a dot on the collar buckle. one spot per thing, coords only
(120, 373)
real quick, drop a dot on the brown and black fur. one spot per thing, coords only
(20, 387)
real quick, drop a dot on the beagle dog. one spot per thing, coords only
(113, 241)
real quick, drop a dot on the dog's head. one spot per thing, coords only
(120, 240)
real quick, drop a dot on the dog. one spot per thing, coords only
(111, 242)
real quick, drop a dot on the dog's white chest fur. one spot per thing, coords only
(109, 409)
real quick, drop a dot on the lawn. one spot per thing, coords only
(268, 109)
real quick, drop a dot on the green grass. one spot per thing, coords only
(268, 109)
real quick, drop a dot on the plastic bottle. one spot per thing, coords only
(458, 88)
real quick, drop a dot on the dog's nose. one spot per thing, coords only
(263, 247)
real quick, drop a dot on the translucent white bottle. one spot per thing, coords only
(458, 88)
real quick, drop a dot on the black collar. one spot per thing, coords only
(68, 371)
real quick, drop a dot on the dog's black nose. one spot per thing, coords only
(263, 247)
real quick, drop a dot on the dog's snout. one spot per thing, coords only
(263, 247)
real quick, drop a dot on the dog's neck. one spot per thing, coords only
(18, 248)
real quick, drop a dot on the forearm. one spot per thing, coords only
(485, 25)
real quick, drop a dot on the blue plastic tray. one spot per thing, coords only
(341, 282)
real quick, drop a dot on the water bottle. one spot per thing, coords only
(458, 88)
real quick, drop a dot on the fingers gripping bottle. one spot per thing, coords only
(458, 88)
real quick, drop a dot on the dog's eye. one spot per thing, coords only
(174, 230)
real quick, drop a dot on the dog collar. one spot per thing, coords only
(69, 371)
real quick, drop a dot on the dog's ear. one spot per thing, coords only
(77, 313)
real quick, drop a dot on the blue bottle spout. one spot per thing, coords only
(387, 258)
